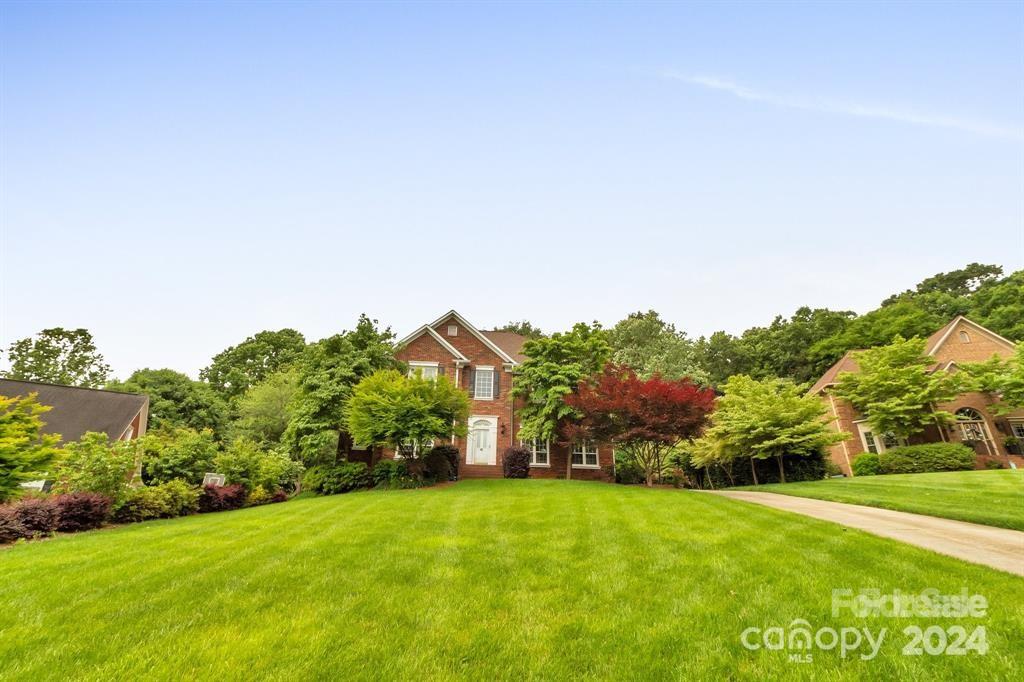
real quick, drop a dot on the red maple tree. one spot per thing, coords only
(642, 418)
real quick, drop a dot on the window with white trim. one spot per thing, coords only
(425, 370)
(972, 424)
(483, 388)
(584, 454)
(1017, 429)
(876, 443)
(538, 451)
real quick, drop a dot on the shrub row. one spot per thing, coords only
(36, 516)
(916, 459)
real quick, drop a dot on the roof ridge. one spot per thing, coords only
(81, 388)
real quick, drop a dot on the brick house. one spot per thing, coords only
(959, 341)
(483, 363)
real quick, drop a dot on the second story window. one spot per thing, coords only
(483, 383)
(426, 370)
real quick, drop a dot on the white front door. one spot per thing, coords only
(483, 441)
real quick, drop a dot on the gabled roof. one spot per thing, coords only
(510, 342)
(936, 340)
(847, 363)
(429, 329)
(477, 333)
(77, 410)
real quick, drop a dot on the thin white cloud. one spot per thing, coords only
(848, 108)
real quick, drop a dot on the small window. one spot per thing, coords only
(128, 433)
(483, 389)
(965, 337)
(584, 454)
(1018, 429)
(538, 451)
(453, 330)
(869, 441)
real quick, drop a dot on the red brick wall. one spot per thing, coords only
(426, 348)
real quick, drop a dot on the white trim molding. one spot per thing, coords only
(475, 332)
(429, 329)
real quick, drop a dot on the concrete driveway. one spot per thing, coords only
(999, 548)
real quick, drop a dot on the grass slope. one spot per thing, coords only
(483, 580)
(993, 498)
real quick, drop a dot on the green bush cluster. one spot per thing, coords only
(164, 501)
(333, 480)
(866, 464)
(919, 459)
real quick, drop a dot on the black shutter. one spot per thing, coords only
(471, 377)
(497, 387)
(440, 370)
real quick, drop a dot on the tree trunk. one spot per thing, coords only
(753, 470)
(568, 463)
(782, 473)
(649, 475)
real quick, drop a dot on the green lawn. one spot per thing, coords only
(483, 580)
(994, 498)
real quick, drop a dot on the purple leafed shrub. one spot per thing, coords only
(82, 511)
(38, 514)
(216, 498)
(11, 528)
(516, 463)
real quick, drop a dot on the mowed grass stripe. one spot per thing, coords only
(481, 580)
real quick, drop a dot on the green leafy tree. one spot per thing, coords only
(390, 409)
(649, 345)
(877, 328)
(176, 401)
(262, 414)
(25, 451)
(327, 373)
(723, 355)
(58, 356)
(523, 328)
(782, 349)
(765, 419)
(1002, 379)
(95, 465)
(234, 370)
(999, 306)
(244, 462)
(553, 369)
(896, 389)
(178, 453)
(956, 284)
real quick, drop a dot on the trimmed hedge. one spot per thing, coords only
(920, 459)
(11, 527)
(442, 463)
(866, 465)
(516, 462)
(164, 501)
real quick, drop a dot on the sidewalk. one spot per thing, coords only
(999, 548)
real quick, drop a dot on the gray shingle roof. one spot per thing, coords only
(77, 410)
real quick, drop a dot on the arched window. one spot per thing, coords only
(965, 337)
(972, 425)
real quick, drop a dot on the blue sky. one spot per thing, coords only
(178, 176)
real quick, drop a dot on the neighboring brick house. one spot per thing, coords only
(483, 363)
(959, 341)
